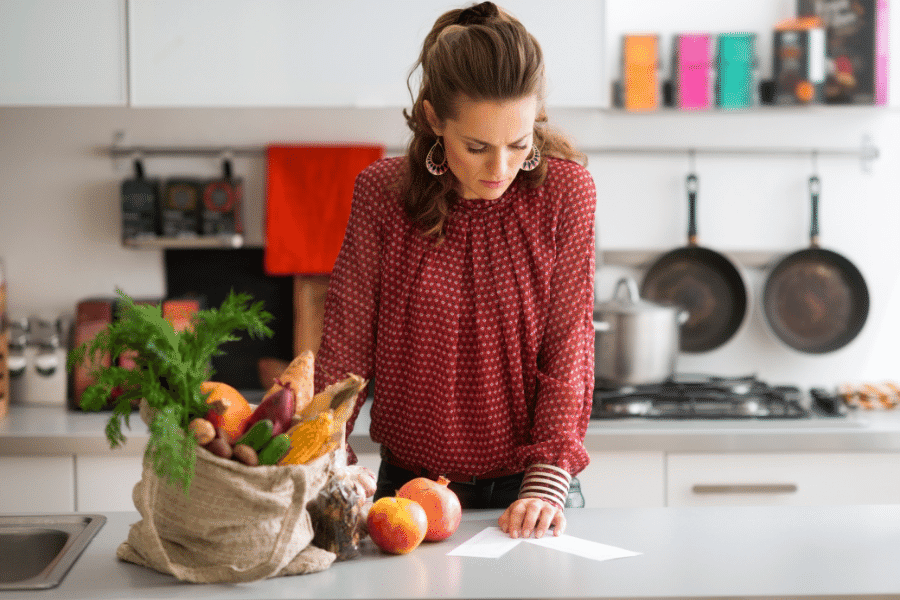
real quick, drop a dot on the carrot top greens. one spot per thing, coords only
(170, 366)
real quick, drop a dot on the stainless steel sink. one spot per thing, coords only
(36, 551)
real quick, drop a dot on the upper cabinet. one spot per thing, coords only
(60, 52)
(353, 53)
(347, 54)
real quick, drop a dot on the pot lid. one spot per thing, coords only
(627, 299)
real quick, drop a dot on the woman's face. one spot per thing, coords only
(487, 143)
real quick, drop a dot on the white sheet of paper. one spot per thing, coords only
(493, 543)
(580, 547)
(488, 543)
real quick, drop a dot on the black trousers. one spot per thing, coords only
(498, 492)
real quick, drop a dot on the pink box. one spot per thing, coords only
(693, 71)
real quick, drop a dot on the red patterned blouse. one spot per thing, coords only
(481, 348)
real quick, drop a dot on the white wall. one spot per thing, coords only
(59, 216)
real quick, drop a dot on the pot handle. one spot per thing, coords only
(601, 326)
(631, 290)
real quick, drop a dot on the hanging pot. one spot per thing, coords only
(635, 341)
(706, 283)
(816, 300)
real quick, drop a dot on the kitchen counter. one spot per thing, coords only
(736, 552)
(54, 431)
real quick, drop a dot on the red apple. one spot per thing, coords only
(397, 525)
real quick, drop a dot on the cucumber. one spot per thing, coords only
(258, 435)
(277, 447)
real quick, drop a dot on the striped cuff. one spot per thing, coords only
(547, 482)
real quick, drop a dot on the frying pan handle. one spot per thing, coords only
(692, 184)
(815, 187)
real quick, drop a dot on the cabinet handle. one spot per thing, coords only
(746, 488)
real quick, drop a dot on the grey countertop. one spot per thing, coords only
(53, 431)
(723, 552)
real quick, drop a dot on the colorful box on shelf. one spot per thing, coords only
(856, 35)
(692, 70)
(640, 72)
(736, 66)
(799, 57)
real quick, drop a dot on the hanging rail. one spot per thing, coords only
(866, 153)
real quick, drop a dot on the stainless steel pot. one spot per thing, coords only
(635, 341)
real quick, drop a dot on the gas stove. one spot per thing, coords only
(701, 397)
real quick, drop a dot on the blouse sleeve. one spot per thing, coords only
(566, 356)
(351, 316)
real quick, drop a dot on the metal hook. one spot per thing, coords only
(815, 163)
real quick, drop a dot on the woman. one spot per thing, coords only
(464, 286)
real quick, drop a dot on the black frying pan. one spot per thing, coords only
(815, 300)
(703, 282)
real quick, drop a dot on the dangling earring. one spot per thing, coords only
(434, 168)
(531, 164)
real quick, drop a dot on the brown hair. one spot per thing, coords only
(481, 53)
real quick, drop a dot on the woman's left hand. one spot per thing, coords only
(532, 516)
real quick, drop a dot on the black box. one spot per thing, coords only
(221, 207)
(180, 208)
(800, 66)
(140, 210)
(856, 47)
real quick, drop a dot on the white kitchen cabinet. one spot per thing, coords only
(352, 53)
(796, 478)
(60, 52)
(624, 479)
(105, 482)
(44, 484)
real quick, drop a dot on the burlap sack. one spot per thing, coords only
(237, 524)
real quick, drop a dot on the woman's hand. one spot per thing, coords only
(532, 516)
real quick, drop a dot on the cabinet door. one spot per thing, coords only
(770, 479)
(104, 483)
(43, 484)
(624, 479)
(351, 53)
(59, 52)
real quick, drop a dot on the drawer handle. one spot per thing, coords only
(747, 488)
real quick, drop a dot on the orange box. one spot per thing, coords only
(640, 72)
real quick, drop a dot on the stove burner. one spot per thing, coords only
(700, 397)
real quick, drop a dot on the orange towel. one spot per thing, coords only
(309, 192)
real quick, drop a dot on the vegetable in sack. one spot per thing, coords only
(278, 408)
(307, 438)
(228, 407)
(276, 447)
(298, 376)
(204, 431)
(258, 435)
(169, 369)
(220, 445)
(246, 455)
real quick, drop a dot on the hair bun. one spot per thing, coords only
(478, 14)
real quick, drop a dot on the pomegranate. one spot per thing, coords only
(397, 525)
(441, 505)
